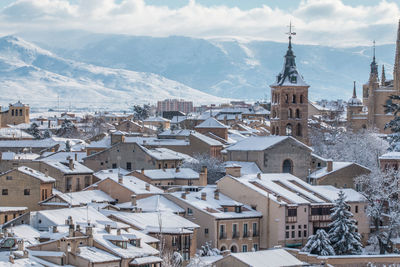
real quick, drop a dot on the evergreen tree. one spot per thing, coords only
(47, 134)
(34, 131)
(343, 234)
(393, 107)
(319, 244)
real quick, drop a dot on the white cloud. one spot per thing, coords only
(328, 22)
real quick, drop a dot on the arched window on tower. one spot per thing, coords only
(301, 99)
(287, 166)
(290, 113)
(286, 98)
(298, 129)
(288, 129)
(277, 131)
(294, 99)
(297, 114)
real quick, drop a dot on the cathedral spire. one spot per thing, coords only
(396, 69)
(354, 90)
(374, 66)
(383, 76)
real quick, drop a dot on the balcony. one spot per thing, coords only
(222, 236)
(291, 219)
(235, 235)
(320, 218)
(255, 233)
(246, 234)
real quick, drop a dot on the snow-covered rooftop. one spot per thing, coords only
(391, 155)
(211, 123)
(215, 207)
(64, 167)
(36, 174)
(246, 167)
(180, 173)
(259, 143)
(134, 184)
(81, 197)
(153, 204)
(96, 255)
(103, 174)
(336, 165)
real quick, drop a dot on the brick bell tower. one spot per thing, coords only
(289, 99)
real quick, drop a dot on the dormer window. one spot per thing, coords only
(238, 209)
(225, 209)
(121, 244)
(135, 242)
(293, 79)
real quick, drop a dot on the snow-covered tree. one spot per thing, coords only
(363, 147)
(68, 146)
(319, 244)
(343, 233)
(141, 113)
(208, 250)
(68, 130)
(393, 107)
(215, 166)
(47, 134)
(381, 189)
(34, 131)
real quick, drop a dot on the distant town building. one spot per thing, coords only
(174, 105)
(16, 114)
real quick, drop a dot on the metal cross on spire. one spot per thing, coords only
(290, 33)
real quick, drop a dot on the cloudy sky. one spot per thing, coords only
(324, 22)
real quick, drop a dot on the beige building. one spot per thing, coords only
(10, 213)
(338, 174)
(292, 209)
(25, 187)
(275, 154)
(390, 160)
(16, 114)
(357, 115)
(225, 223)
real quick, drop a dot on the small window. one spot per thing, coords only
(287, 234)
(189, 211)
(8, 177)
(27, 192)
(244, 248)
(293, 226)
(4, 192)
(255, 247)
(206, 231)
(292, 234)
(356, 209)
(114, 165)
(101, 163)
(299, 234)
(305, 226)
(225, 209)
(305, 233)
(287, 227)
(129, 166)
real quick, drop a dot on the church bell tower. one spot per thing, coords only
(289, 99)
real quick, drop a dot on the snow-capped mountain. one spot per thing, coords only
(41, 78)
(223, 67)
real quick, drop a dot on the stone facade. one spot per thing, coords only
(16, 114)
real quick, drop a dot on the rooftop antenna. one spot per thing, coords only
(374, 49)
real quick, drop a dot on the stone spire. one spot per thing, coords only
(354, 90)
(396, 69)
(373, 76)
(383, 77)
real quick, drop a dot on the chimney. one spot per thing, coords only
(120, 179)
(147, 187)
(71, 230)
(186, 190)
(54, 229)
(203, 196)
(71, 163)
(11, 258)
(107, 228)
(78, 228)
(20, 244)
(216, 194)
(278, 198)
(46, 172)
(133, 200)
(204, 170)
(259, 176)
(329, 165)
(142, 171)
(177, 169)
(183, 195)
(118, 231)
(76, 157)
(234, 170)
